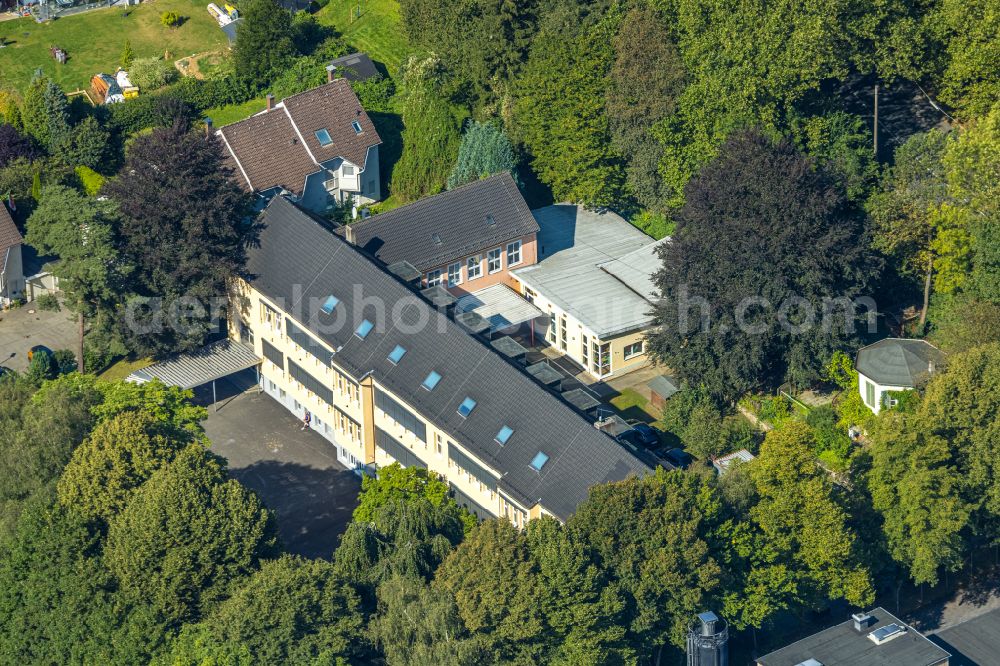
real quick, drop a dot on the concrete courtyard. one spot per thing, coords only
(24, 327)
(294, 471)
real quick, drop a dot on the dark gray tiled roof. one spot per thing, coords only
(448, 226)
(355, 67)
(298, 263)
(900, 361)
(841, 645)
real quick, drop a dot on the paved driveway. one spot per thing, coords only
(23, 328)
(295, 472)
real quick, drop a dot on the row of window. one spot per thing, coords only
(474, 266)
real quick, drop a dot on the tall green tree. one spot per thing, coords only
(264, 47)
(485, 150)
(185, 536)
(419, 625)
(507, 618)
(559, 114)
(430, 135)
(644, 81)
(292, 611)
(652, 538)
(758, 281)
(966, 32)
(46, 112)
(905, 209)
(184, 226)
(79, 230)
(798, 547)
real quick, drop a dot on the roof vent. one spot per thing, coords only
(491, 221)
(436, 238)
(886, 633)
(862, 621)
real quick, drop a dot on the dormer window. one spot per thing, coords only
(323, 136)
(357, 127)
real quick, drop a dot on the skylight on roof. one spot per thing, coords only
(396, 354)
(466, 407)
(357, 127)
(504, 434)
(432, 380)
(323, 136)
(364, 328)
(329, 304)
(538, 462)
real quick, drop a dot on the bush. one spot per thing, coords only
(152, 73)
(65, 361)
(47, 302)
(774, 409)
(90, 181)
(653, 224)
(375, 94)
(169, 19)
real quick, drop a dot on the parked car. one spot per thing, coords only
(645, 434)
(678, 458)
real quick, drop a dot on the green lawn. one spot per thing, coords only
(231, 113)
(123, 368)
(93, 41)
(378, 32)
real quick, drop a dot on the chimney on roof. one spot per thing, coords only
(931, 367)
(330, 69)
(270, 101)
(208, 127)
(862, 621)
(349, 235)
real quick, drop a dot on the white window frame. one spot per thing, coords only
(455, 274)
(514, 253)
(498, 252)
(625, 352)
(434, 277)
(347, 169)
(474, 267)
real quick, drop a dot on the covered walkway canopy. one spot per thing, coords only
(213, 361)
(500, 305)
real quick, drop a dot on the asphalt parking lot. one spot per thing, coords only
(295, 472)
(24, 327)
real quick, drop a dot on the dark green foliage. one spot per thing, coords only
(407, 485)
(55, 595)
(292, 611)
(762, 230)
(13, 146)
(483, 42)
(485, 150)
(430, 134)
(87, 145)
(185, 536)
(840, 142)
(310, 36)
(695, 417)
(264, 46)
(303, 74)
(42, 366)
(645, 79)
(46, 112)
(418, 625)
(558, 112)
(651, 539)
(183, 228)
(961, 322)
(829, 435)
(375, 95)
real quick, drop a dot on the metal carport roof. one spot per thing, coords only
(211, 362)
(500, 305)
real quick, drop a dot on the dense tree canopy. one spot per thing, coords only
(763, 244)
(264, 46)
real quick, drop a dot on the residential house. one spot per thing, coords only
(320, 146)
(875, 637)
(355, 67)
(594, 279)
(465, 239)
(11, 266)
(894, 364)
(385, 377)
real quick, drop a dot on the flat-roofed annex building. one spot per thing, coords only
(594, 279)
(408, 384)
